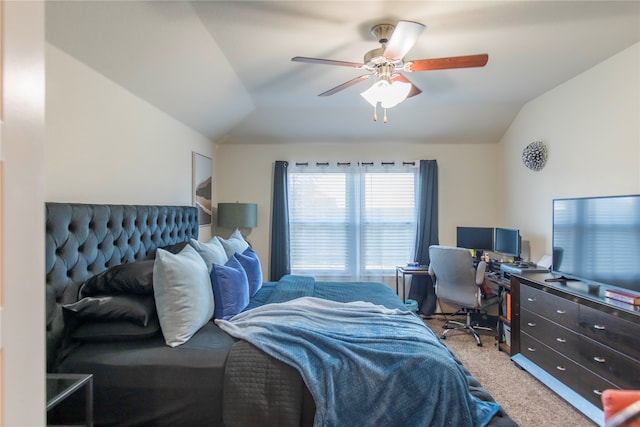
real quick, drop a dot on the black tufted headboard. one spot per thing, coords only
(85, 239)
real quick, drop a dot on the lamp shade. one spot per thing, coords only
(387, 94)
(237, 215)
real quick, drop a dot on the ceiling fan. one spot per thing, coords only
(387, 64)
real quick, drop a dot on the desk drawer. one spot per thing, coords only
(555, 336)
(611, 331)
(559, 310)
(562, 368)
(621, 370)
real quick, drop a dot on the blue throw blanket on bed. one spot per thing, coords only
(291, 287)
(364, 364)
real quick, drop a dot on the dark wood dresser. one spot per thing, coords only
(574, 340)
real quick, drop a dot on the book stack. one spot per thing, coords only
(622, 296)
(623, 305)
(506, 305)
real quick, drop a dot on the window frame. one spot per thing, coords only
(356, 265)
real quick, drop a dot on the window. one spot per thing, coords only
(351, 222)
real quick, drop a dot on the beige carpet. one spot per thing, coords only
(526, 400)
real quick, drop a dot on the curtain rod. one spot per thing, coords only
(382, 163)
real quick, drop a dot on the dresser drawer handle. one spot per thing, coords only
(532, 324)
(599, 327)
(531, 349)
(561, 368)
(561, 311)
(599, 359)
(531, 299)
(561, 340)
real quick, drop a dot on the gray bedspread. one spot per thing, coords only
(260, 390)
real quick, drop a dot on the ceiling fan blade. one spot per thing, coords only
(414, 89)
(447, 63)
(403, 38)
(345, 85)
(327, 62)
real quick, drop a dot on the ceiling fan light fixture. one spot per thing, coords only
(387, 94)
(395, 94)
(372, 95)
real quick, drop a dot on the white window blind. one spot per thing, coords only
(351, 222)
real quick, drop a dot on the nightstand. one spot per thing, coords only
(61, 386)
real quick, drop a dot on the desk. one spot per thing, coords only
(61, 386)
(408, 271)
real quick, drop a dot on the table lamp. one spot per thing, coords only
(237, 215)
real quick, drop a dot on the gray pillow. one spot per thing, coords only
(134, 308)
(212, 252)
(131, 278)
(235, 243)
(184, 299)
(117, 330)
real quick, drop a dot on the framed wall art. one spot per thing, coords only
(201, 169)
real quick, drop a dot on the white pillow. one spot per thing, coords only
(235, 243)
(184, 298)
(212, 252)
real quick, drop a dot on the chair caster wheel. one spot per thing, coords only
(443, 337)
(479, 344)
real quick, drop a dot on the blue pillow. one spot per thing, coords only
(251, 264)
(230, 289)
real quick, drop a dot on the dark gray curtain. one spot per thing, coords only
(279, 224)
(422, 289)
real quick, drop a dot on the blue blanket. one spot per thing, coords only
(364, 364)
(291, 287)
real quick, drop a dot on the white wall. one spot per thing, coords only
(22, 153)
(244, 173)
(591, 125)
(105, 145)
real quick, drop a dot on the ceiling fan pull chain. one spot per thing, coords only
(375, 113)
(385, 115)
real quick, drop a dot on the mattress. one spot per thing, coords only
(147, 383)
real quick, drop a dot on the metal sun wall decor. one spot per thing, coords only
(534, 156)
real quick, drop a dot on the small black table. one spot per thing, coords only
(61, 386)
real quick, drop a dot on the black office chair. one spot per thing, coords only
(458, 283)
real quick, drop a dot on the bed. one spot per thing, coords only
(105, 317)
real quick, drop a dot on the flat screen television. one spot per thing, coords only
(479, 239)
(508, 242)
(597, 240)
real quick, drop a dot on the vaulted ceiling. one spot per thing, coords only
(224, 67)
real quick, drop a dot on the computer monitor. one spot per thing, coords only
(507, 242)
(479, 239)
